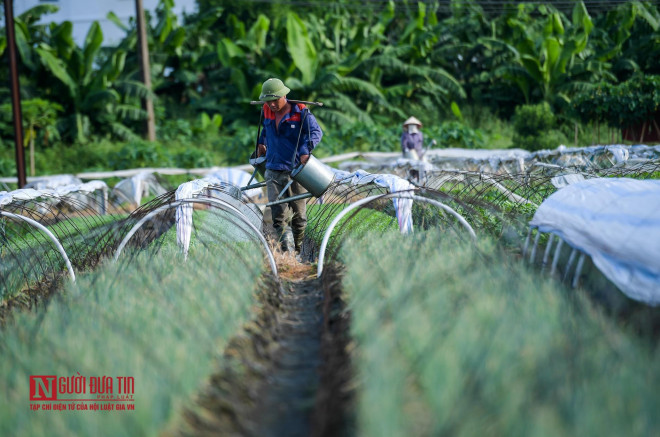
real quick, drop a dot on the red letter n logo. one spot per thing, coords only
(42, 388)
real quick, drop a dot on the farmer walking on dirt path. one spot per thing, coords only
(412, 139)
(290, 132)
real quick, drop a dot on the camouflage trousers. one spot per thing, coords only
(275, 183)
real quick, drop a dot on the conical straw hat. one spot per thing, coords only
(412, 120)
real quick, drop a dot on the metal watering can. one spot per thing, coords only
(314, 176)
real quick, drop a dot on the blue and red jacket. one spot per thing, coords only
(281, 143)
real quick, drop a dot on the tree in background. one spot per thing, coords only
(633, 103)
(94, 99)
(39, 120)
(39, 117)
(640, 50)
(535, 127)
(545, 57)
(372, 64)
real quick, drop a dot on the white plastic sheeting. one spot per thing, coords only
(561, 181)
(24, 194)
(138, 186)
(402, 206)
(192, 189)
(184, 213)
(418, 164)
(513, 161)
(56, 181)
(483, 160)
(236, 177)
(615, 153)
(617, 223)
(494, 156)
(597, 157)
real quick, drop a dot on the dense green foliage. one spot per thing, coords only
(623, 105)
(454, 340)
(372, 67)
(158, 319)
(535, 127)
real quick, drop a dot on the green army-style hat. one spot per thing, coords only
(273, 89)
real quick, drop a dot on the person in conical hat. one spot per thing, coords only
(290, 133)
(412, 139)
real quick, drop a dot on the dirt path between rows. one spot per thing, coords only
(286, 375)
(286, 402)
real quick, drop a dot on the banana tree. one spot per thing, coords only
(180, 54)
(629, 37)
(39, 120)
(39, 115)
(547, 57)
(28, 32)
(360, 74)
(337, 75)
(92, 95)
(242, 55)
(87, 85)
(86, 92)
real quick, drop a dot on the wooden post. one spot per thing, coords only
(576, 134)
(641, 135)
(15, 89)
(145, 69)
(593, 134)
(31, 153)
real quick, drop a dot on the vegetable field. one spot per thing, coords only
(479, 344)
(422, 303)
(507, 283)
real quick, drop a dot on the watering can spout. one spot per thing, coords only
(259, 164)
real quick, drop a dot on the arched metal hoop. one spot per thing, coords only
(401, 195)
(215, 202)
(575, 253)
(50, 235)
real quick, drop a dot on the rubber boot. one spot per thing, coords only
(287, 241)
(298, 239)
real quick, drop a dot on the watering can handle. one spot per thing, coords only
(302, 125)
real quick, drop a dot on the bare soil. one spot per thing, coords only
(287, 373)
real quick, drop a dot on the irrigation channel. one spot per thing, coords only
(287, 375)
